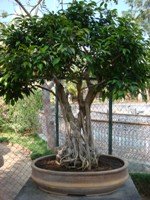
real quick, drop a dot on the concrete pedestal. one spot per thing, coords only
(31, 192)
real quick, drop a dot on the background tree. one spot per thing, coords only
(140, 11)
(85, 43)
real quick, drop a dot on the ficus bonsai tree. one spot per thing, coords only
(86, 44)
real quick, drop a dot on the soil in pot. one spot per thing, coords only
(105, 164)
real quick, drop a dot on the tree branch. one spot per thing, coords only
(65, 106)
(51, 91)
(36, 6)
(23, 8)
(92, 91)
(115, 58)
(80, 94)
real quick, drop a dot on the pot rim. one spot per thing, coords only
(82, 172)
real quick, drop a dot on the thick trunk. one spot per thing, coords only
(79, 151)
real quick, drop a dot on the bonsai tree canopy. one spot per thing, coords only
(86, 44)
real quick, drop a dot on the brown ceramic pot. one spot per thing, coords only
(79, 183)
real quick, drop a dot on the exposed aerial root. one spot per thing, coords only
(79, 159)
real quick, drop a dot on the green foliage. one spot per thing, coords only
(3, 115)
(34, 143)
(4, 139)
(142, 183)
(81, 42)
(23, 116)
(2, 121)
(4, 14)
(72, 89)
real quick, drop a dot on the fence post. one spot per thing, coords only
(110, 125)
(57, 118)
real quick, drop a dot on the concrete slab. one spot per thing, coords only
(31, 192)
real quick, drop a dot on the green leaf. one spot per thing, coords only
(101, 4)
(44, 49)
(72, 50)
(56, 61)
(40, 66)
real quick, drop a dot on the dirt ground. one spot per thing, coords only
(15, 171)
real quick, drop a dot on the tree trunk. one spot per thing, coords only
(49, 121)
(79, 151)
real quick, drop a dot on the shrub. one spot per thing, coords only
(3, 115)
(23, 116)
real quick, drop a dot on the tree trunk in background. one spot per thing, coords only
(49, 120)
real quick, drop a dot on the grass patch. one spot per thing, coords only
(4, 139)
(142, 183)
(33, 142)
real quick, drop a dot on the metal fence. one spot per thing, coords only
(130, 141)
(130, 132)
